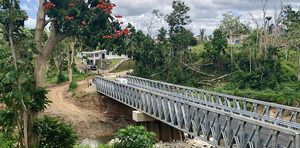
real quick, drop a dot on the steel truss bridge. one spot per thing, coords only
(219, 119)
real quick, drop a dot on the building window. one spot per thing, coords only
(97, 55)
(107, 52)
(112, 53)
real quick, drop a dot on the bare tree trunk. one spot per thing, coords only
(264, 30)
(299, 70)
(39, 70)
(71, 59)
(286, 52)
(231, 56)
(58, 60)
(250, 63)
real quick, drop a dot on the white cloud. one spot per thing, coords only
(30, 22)
(26, 8)
(204, 13)
(28, 1)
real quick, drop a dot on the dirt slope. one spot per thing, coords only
(91, 114)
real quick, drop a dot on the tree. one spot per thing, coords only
(8, 25)
(216, 46)
(71, 64)
(88, 20)
(178, 17)
(231, 22)
(202, 33)
(292, 30)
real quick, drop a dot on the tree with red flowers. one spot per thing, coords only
(88, 20)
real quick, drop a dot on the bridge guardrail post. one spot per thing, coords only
(297, 140)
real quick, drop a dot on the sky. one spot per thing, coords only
(204, 13)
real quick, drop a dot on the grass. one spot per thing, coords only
(288, 94)
(125, 66)
(76, 76)
(114, 62)
(77, 59)
(197, 49)
(200, 48)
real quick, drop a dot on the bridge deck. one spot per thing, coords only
(214, 122)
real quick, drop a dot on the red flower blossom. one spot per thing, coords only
(118, 16)
(108, 36)
(48, 6)
(104, 37)
(121, 22)
(71, 5)
(69, 18)
(105, 6)
(83, 22)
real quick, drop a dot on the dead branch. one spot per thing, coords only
(200, 72)
(204, 83)
(155, 74)
(212, 80)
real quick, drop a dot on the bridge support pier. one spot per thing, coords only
(163, 131)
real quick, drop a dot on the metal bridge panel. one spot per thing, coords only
(211, 124)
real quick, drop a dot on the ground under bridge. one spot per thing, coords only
(219, 119)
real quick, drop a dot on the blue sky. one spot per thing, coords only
(204, 13)
(31, 7)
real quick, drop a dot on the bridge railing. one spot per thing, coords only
(214, 99)
(220, 128)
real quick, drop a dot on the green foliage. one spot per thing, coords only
(7, 124)
(216, 47)
(98, 22)
(61, 78)
(54, 133)
(7, 140)
(285, 94)
(232, 22)
(77, 76)
(73, 86)
(135, 137)
(19, 16)
(178, 17)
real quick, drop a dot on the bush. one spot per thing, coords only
(73, 86)
(135, 137)
(55, 134)
(7, 140)
(61, 78)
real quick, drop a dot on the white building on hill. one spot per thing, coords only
(95, 56)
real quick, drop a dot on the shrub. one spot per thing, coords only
(61, 78)
(73, 86)
(55, 134)
(135, 137)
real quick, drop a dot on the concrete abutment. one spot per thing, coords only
(164, 132)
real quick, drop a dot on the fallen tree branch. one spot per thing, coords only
(200, 72)
(212, 80)
(158, 73)
(203, 83)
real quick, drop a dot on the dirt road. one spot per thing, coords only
(91, 114)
